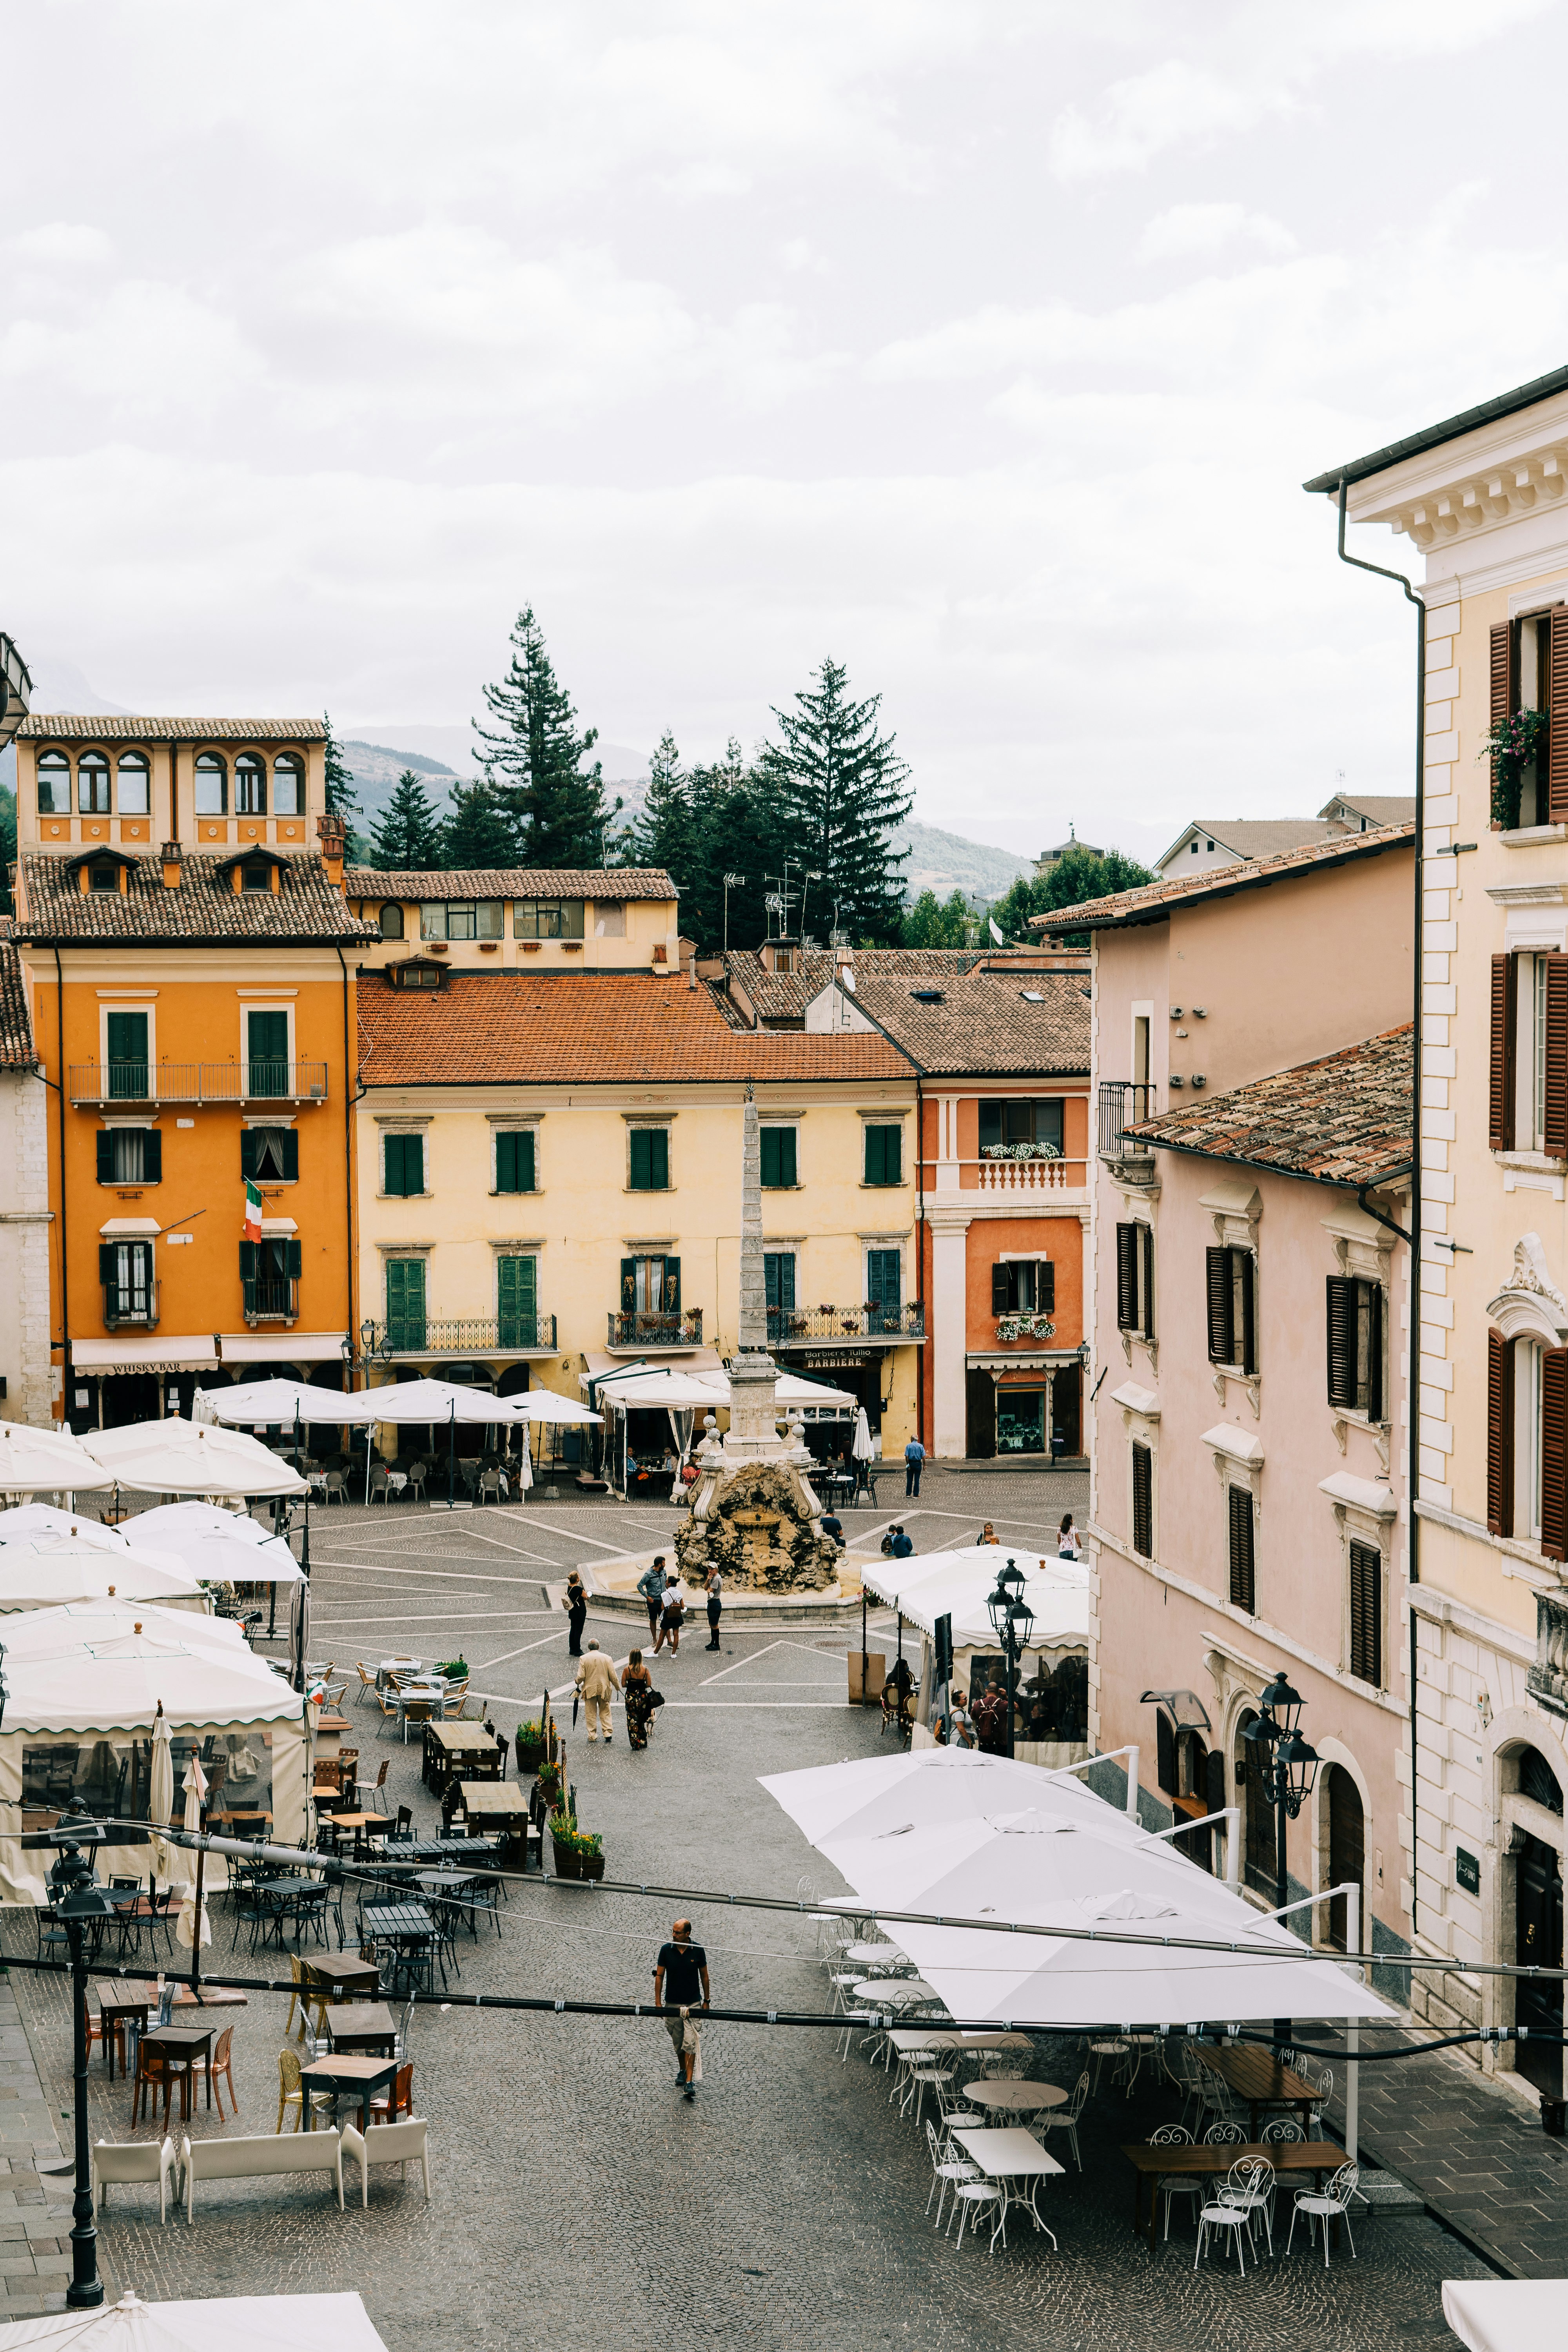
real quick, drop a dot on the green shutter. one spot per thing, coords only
(127, 1041)
(516, 1301)
(786, 1156)
(405, 1164)
(506, 1165)
(642, 1160)
(895, 1167)
(247, 1152)
(291, 1155)
(629, 1283)
(152, 1157)
(105, 1155)
(294, 1266)
(672, 1285)
(108, 1267)
(266, 1050)
(249, 1256)
(778, 1274)
(884, 1270)
(778, 1156)
(405, 1302)
(659, 1157)
(883, 1158)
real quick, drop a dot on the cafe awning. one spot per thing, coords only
(167, 1353)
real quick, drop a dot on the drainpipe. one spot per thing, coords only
(1413, 1345)
(921, 1354)
(65, 1237)
(174, 791)
(349, 1165)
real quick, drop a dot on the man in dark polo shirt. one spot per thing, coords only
(680, 1974)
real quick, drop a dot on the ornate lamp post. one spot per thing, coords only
(1013, 1621)
(1283, 1768)
(79, 1901)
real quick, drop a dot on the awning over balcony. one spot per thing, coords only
(166, 1353)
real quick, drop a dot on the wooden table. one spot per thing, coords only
(1187, 2160)
(209, 1996)
(246, 1817)
(360, 2076)
(448, 1744)
(345, 1972)
(118, 2003)
(494, 1802)
(364, 2028)
(1009, 2156)
(365, 1825)
(1259, 2081)
(190, 2043)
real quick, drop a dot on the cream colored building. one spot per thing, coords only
(1482, 499)
(619, 918)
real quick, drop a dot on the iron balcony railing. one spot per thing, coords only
(655, 1328)
(272, 1299)
(494, 1335)
(197, 1082)
(1124, 1104)
(130, 1305)
(791, 1326)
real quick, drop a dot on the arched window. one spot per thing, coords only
(132, 784)
(1538, 1780)
(212, 785)
(249, 785)
(390, 921)
(54, 784)
(287, 785)
(93, 785)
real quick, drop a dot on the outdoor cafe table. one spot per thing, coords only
(894, 1992)
(1187, 2160)
(1012, 2158)
(189, 2042)
(499, 1805)
(874, 1955)
(364, 1826)
(343, 1972)
(430, 1692)
(397, 1923)
(363, 2029)
(1259, 2081)
(204, 1996)
(1015, 2098)
(451, 1749)
(120, 2004)
(291, 1895)
(357, 2076)
(908, 2040)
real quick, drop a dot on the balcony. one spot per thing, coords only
(510, 1335)
(271, 1300)
(91, 1083)
(130, 1306)
(1022, 1169)
(1124, 1105)
(653, 1327)
(804, 1327)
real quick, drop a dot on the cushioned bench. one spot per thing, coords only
(254, 2159)
(400, 2144)
(114, 2162)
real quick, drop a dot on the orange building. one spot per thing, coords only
(189, 963)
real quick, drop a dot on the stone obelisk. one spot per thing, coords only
(753, 1375)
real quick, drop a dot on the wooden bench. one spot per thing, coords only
(256, 2157)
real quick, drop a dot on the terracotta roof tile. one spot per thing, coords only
(118, 727)
(985, 1021)
(625, 1029)
(1150, 903)
(204, 911)
(784, 996)
(17, 1049)
(599, 883)
(1344, 1119)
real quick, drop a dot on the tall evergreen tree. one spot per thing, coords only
(1074, 877)
(927, 924)
(664, 833)
(535, 761)
(475, 831)
(406, 836)
(840, 786)
(342, 795)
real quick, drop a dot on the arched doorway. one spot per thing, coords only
(1347, 1854)
(1538, 1930)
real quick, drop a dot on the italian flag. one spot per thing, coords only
(252, 1212)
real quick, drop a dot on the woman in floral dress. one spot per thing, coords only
(637, 1686)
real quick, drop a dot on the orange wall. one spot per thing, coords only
(199, 1021)
(1058, 1238)
(1075, 1113)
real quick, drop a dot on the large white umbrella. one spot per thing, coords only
(260, 1404)
(922, 1787)
(161, 1780)
(246, 2323)
(1507, 2314)
(861, 1446)
(76, 1626)
(549, 1405)
(47, 1570)
(219, 1547)
(181, 1457)
(48, 1459)
(24, 1521)
(958, 1585)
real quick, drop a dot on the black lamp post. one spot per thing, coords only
(1282, 1766)
(79, 1901)
(1013, 1621)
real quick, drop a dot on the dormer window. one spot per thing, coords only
(256, 874)
(250, 788)
(104, 876)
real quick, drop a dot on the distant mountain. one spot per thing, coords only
(945, 862)
(375, 771)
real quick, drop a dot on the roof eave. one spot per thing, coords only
(1357, 845)
(1380, 1178)
(1414, 444)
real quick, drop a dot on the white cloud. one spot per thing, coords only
(1174, 104)
(1207, 229)
(62, 245)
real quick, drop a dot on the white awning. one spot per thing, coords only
(165, 1352)
(124, 1229)
(283, 1347)
(247, 2323)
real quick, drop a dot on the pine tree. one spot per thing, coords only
(664, 833)
(406, 836)
(477, 834)
(1074, 877)
(929, 925)
(342, 795)
(533, 759)
(839, 786)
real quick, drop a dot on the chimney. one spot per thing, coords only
(330, 827)
(172, 857)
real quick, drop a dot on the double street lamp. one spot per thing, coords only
(1282, 1769)
(1013, 1621)
(78, 1903)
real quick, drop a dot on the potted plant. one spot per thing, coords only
(550, 1784)
(530, 1746)
(579, 1853)
(1510, 744)
(454, 1670)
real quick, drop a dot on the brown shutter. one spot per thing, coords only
(1248, 1357)
(1554, 1453)
(1502, 675)
(1505, 1029)
(1126, 1277)
(1342, 1341)
(1142, 1502)
(1366, 1613)
(1164, 1752)
(1222, 1348)
(999, 1290)
(1556, 1113)
(1557, 706)
(1374, 1351)
(1499, 1434)
(1243, 1593)
(1146, 1233)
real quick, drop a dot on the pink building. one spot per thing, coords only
(1252, 1062)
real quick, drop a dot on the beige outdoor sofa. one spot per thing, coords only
(400, 2144)
(115, 2162)
(256, 2157)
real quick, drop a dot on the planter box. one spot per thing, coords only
(593, 1865)
(567, 1863)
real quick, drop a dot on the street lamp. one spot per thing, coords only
(1282, 1766)
(78, 1900)
(1014, 1622)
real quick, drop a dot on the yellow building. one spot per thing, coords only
(622, 919)
(549, 1181)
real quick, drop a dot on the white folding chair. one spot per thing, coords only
(1180, 2184)
(1333, 2205)
(1066, 2119)
(946, 2171)
(1235, 2219)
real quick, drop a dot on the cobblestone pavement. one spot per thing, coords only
(576, 2197)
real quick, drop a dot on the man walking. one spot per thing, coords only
(914, 1455)
(651, 1584)
(715, 1607)
(680, 1973)
(598, 1685)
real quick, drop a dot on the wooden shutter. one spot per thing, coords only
(392, 1149)
(106, 1155)
(1554, 1453)
(516, 1301)
(1164, 1752)
(1045, 1285)
(1222, 1348)
(1556, 1113)
(1503, 677)
(1374, 1351)
(1342, 1341)
(1366, 1613)
(1504, 1033)
(108, 1265)
(770, 1139)
(672, 1285)
(1146, 1237)
(999, 1301)
(1246, 1275)
(659, 1159)
(895, 1160)
(629, 1286)
(1213, 1781)
(291, 1155)
(1243, 1592)
(249, 1256)
(248, 1151)
(1127, 1277)
(1499, 1434)
(1142, 1501)
(506, 1165)
(151, 1156)
(642, 1160)
(1557, 707)
(405, 1301)
(293, 1258)
(786, 1136)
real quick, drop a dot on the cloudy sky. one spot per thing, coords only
(982, 346)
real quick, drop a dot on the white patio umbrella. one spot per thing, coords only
(440, 1403)
(181, 1457)
(264, 1404)
(919, 1788)
(24, 1521)
(161, 1779)
(43, 1571)
(246, 2323)
(46, 1459)
(216, 1546)
(1506, 2314)
(861, 1444)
